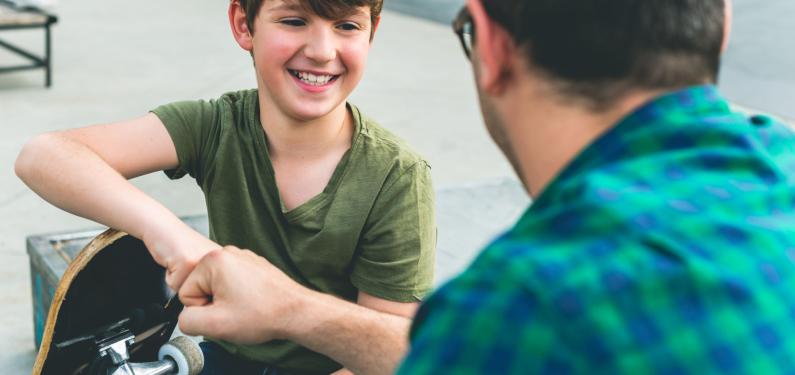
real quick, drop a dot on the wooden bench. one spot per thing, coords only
(17, 18)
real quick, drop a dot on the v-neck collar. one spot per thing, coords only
(319, 200)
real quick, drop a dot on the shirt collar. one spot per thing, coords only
(616, 143)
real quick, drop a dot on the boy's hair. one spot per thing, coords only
(598, 50)
(328, 9)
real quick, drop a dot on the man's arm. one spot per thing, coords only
(84, 171)
(253, 302)
(364, 340)
(403, 309)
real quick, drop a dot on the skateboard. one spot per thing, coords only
(112, 313)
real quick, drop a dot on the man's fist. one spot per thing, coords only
(238, 296)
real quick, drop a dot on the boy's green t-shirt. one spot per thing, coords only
(372, 229)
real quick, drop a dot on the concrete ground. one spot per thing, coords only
(116, 59)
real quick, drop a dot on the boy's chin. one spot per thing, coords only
(313, 112)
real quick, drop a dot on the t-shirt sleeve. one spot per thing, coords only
(192, 126)
(396, 251)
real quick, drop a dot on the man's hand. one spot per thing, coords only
(238, 296)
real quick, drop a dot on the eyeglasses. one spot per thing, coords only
(465, 29)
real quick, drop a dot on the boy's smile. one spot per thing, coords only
(313, 81)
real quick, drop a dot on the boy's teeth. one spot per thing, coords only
(314, 79)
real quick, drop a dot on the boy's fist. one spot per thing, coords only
(178, 252)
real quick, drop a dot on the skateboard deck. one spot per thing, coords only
(113, 290)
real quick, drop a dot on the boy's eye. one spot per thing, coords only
(293, 22)
(348, 26)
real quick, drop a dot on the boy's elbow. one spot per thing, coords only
(26, 161)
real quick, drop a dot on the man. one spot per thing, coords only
(661, 237)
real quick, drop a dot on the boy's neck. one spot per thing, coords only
(291, 139)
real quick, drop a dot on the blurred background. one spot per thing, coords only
(116, 59)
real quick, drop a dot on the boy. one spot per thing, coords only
(289, 170)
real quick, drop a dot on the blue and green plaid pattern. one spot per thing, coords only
(665, 247)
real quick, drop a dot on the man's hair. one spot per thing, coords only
(328, 9)
(598, 50)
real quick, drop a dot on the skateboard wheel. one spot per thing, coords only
(185, 353)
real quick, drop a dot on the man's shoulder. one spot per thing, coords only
(577, 238)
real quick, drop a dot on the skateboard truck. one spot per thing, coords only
(180, 356)
(113, 345)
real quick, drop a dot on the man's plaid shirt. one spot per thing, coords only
(665, 247)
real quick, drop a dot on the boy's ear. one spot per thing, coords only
(376, 23)
(240, 30)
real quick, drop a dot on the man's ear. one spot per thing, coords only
(240, 30)
(728, 12)
(493, 47)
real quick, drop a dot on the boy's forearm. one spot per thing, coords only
(363, 340)
(74, 178)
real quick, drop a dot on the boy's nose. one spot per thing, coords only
(320, 46)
